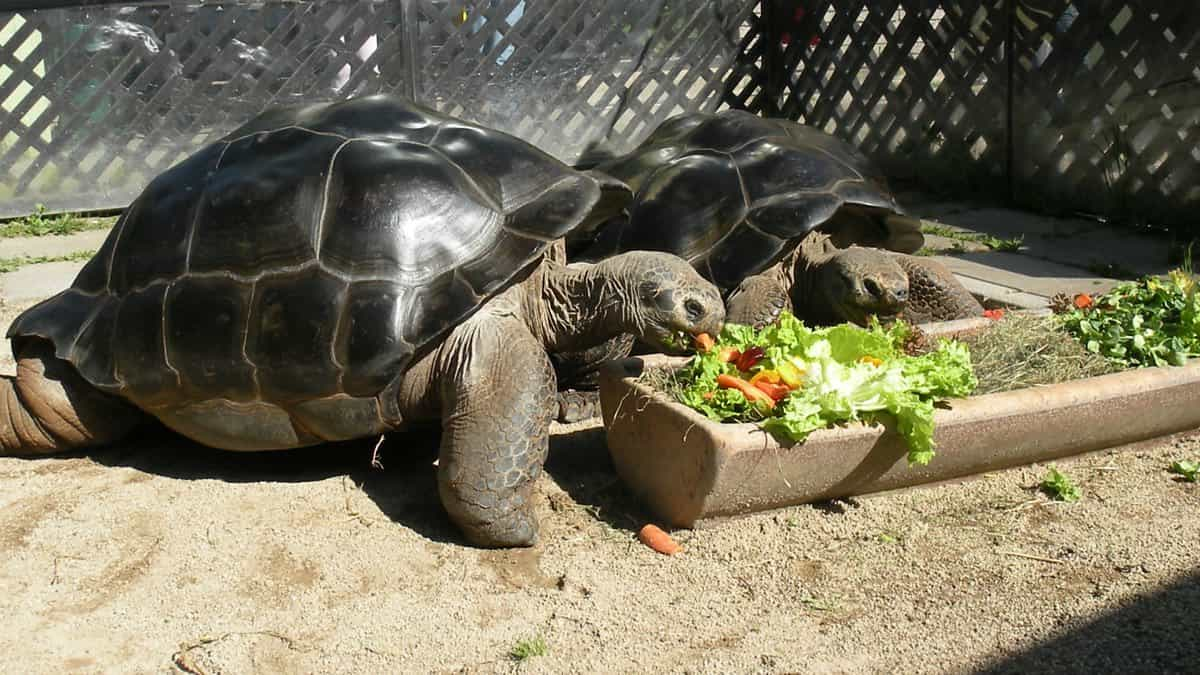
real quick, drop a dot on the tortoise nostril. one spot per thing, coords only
(694, 309)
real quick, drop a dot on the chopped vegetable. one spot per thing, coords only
(654, 537)
(750, 357)
(751, 392)
(1149, 322)
(704, 342)
(1060, 486)
(1189, 470)
(993, 314)
(818, 378)
(728, 354)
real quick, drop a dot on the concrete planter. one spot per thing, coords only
(686, 467)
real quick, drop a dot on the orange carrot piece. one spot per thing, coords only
(654, 537)
(705, 343)
(1083, 301)
(748, 390)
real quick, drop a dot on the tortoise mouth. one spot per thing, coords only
(859, 314)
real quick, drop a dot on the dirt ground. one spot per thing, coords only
(158, 555)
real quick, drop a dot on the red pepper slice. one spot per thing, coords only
(749, 358)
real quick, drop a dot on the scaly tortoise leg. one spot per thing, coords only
(48, 407)
(497, 393)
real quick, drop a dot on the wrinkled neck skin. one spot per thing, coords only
(801, 269)
(577, 306)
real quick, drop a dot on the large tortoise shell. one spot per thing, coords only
(732, 192)
(311, 253)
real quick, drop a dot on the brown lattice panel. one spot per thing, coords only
(1097, 111)
(1107, 108)
(98, 100)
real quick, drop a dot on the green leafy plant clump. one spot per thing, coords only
(39, 224)
(16, 263)
(793, 380)
(1149, 322)
(1060, 486)
(1190, 471)
(528, 648)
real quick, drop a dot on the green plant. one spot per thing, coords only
(528, 648)
(1190, 471)
(1150, 322)
(16, 263)
(38, 224)
(940, 230)
(1060, 486)
(999, 244)
(992, 242)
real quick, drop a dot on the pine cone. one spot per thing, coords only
(1061, 303)
(917, 342)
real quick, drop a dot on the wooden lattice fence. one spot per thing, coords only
(1055, 104)
(1058, 105)
(99, 99)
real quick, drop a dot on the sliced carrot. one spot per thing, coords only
(1083, 301)
(776, 390)
(993, 314)
(748, 390)
(705, 343)
(654, 537)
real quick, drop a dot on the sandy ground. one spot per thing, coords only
(158, 555)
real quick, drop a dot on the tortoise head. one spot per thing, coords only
(854, 283)
(665, 300)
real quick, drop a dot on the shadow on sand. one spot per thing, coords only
(1151, 633)
(404, 489)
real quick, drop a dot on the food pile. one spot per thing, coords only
(794, 380)
(1149, 322)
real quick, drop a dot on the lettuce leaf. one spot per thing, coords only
(849, 374)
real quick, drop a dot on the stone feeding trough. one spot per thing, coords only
(686, 468)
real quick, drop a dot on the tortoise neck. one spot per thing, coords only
(802, 265)
(578, 306)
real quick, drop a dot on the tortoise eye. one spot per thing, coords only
(694, 309)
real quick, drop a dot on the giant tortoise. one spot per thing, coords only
(343, 270)
(735, 194)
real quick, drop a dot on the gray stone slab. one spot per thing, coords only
(51, 245)
(36, 282)
(1079, 242)
(1023, 273)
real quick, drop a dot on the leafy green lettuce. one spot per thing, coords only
(848, 373)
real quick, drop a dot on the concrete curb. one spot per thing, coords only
(687, 468)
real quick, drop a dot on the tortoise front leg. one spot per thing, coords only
(497, 400)
(758, 300)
